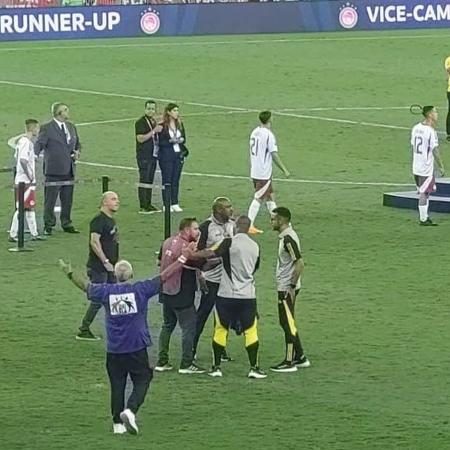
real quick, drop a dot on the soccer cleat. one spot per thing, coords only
(119, 428)
(163, 367)
(257, 373)
(303, 362)
(215, 372)
(87, 336)
(428, 223)
(176, 208)
(129, 420)
(254, 230)
(48, 231)
(12, 239)
(285, 366)
(226, 357)
(191, 369)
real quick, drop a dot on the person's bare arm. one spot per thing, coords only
(80, 281)
(277, 160)
(98, 250)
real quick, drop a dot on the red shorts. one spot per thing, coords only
(29, 197)
(425, 185)
(263, 189)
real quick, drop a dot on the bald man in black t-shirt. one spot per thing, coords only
(103, 255)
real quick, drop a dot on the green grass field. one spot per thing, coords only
(374, 310)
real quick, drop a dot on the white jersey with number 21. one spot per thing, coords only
(424, 140)
(262, 145)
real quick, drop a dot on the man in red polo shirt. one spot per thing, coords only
(177, 297)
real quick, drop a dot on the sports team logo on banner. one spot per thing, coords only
(348, 16)
(150, 22)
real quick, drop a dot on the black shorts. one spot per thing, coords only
(231, 311)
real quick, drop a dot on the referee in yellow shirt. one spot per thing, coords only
(447, 68)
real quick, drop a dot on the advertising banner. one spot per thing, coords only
(219, 18)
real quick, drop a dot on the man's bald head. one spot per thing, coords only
(110, 202)
(243, 224)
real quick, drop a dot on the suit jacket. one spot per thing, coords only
(166, 151)
(58, 154)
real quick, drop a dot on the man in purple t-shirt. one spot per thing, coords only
(127, 333)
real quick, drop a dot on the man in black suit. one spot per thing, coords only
(61, 145)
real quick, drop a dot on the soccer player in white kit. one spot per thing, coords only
(424, 143)
(26, 173)
(263, 150)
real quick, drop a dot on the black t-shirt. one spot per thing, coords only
(106, 227)
(145, 149)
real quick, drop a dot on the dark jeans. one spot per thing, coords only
(119, 366)
(207, 303)
(171, 173)
(95, 276)
(51, 195)
(147, 168)
(186, 318)
(448, 114)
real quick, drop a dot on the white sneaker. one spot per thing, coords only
(163, 368)
(257, 373)
(215, 372)
(176, 208)
(303, 363)
(191, 369)
(129, 420)
(119, 428)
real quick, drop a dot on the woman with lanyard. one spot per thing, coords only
(172, 152)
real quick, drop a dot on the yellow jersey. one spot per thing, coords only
(447, 66)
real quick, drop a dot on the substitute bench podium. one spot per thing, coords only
(439, 200)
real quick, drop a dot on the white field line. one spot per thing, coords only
(206, 105)
(241, 177)
(228, 42)
(345, 108)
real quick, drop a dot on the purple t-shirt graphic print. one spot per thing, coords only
(126, 307)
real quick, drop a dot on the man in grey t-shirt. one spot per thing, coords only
(289, 269)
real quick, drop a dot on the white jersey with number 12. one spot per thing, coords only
(262, 145)
(424, 140)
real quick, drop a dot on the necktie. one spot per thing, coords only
(63, 128)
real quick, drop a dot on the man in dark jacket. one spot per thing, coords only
(61, 145)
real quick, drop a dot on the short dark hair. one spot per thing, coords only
(264, 116)
(30, 124)
(186, 222)
(150, 102)
(282, 212)
(426, 110)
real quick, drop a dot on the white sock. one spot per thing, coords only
(271, 205)
(14, 225)
(31, 221)
(253, 210)
(423, 212)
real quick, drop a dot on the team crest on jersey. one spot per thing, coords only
(122, 304)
